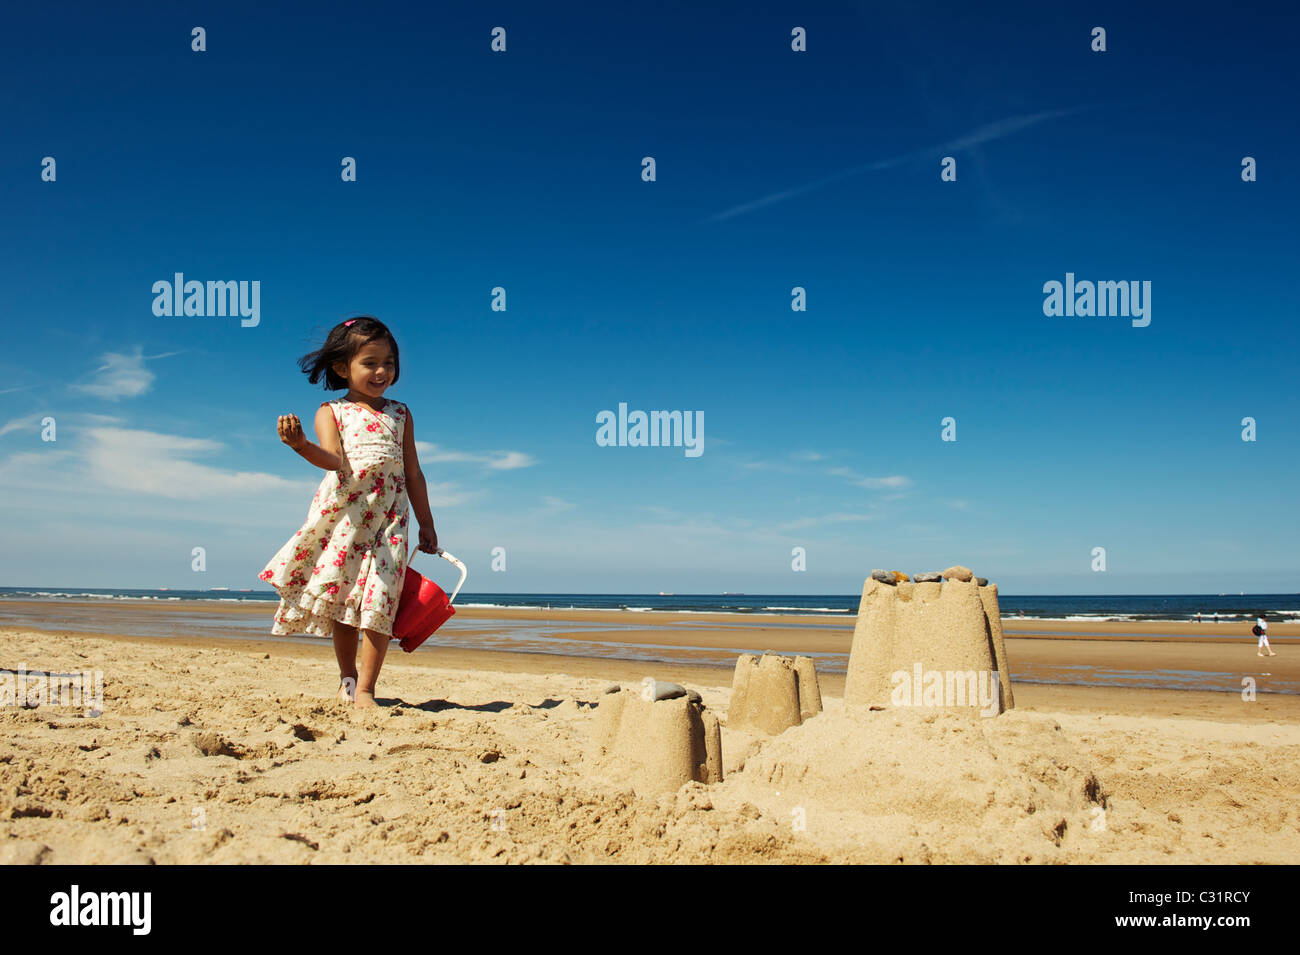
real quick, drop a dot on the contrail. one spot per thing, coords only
(981, 134)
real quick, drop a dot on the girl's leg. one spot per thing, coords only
(373, 651)
(345, 651)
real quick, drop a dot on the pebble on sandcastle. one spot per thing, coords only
(949, 623)
(657, 739)
(771, 694)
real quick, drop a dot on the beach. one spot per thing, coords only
(1128, 743)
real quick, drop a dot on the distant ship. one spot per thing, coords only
(218, 588)
(666, 593)
(732, 593)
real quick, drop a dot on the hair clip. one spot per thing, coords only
(348, 322)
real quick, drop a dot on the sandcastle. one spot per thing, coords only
(657, 744)
(771, 694)
(933, 642)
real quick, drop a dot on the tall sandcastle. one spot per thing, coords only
(935, 641)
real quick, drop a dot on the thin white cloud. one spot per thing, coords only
(872, 483)
(511, 460)
(782, 466)
(149, 462)
(32, 423)
(60, 482)
(808, 456)
(838, 518)
(447, 494)
(122, 375)
(662, 513)
(111, 473)
(896, 480)
(981, 134)
(493, 460)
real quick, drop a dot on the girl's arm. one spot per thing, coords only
(417, 491)
(329, 453)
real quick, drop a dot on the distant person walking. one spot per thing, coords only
(1261, 630)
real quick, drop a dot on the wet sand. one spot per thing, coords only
(1148, 655)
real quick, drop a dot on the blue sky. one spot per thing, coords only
(775, 169)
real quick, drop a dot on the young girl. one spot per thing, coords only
(345, 567)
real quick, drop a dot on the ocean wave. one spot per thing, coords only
(1139, 618)
(813, 609)
(480, 606)
(1091, 616)
(84, 595)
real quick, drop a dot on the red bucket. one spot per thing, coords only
(423, 606)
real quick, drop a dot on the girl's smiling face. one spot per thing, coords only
(371, 370)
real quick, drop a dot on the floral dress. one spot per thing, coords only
(348, 561)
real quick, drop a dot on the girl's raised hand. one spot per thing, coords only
(290, 429)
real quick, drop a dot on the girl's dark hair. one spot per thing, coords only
(341, 345)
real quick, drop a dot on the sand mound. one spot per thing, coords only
(910, 781)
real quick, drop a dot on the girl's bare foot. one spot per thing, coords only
(364, 700)
(347, 689)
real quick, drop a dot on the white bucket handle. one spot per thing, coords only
(464, 571)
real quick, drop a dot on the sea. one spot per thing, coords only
(1281, 608)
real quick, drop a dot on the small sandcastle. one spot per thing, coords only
(657, 738)
(935, 641)
(771, 694)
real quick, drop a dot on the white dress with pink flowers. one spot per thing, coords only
(348, 561)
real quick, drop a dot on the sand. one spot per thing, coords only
(226, 751)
